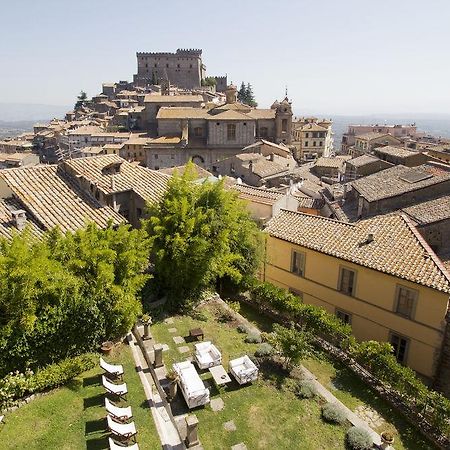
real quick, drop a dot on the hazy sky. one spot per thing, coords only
(335, 56)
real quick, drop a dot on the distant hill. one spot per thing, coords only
(19, 112)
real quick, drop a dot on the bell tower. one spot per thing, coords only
(283, 121)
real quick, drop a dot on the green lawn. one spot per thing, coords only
(353, 392)
(266, 415)
(73, 417)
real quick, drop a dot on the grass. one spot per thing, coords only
(73, 416)
(352, 391)
(265, 414)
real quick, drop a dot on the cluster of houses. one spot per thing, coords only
(364, 233)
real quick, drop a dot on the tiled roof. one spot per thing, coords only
(156, 98)
(230, 115)
(336, 161)
(363, 160)
(397, 248)
(391, 182)
(400, 152)
(182, 113)
(7, 227)
(53, 198)
(371, 135)
(257, 195)
(262, 114)
(430, 211)
(312, 127)
(149, 184)
(265, 168)
(260, 142)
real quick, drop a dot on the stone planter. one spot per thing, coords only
(107, 347)
(387, 439)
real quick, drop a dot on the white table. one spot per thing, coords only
(219, 375)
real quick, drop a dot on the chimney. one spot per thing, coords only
(369, 238)
(250, 166)
(19, 219)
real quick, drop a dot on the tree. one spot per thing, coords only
(242, 94)
(250, 97)
(209, 81)
(294, 345)
(81, 100)
(200, 233)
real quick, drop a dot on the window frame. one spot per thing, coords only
(303, 265)
(393, 334)
(397, 301)
(341, 271)
(346, 313)
(231, 136)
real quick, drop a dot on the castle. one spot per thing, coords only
(184, 69)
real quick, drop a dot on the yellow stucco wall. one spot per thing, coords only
(372, 306)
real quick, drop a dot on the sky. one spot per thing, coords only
(334, 56)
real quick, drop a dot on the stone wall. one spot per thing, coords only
(245, 133)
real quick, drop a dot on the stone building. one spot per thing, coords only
(212, 133)
(184, 68)
(312, 138)
(400, 155)
(331, 167)
(364, 165)
(366, 143)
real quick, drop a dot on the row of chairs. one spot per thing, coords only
(117, 417)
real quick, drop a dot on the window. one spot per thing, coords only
(400, 347)
(347, 280)
(296, 292)
(198, 131)
(306, 143)
(405, 300)
(306, 135)
(320, 143)
(314, 143)
(156, 156)
(231, 132)
(284, 125)
(190, 66)
(344, 316)
(167, 65)
(298, 263)
(245, 124)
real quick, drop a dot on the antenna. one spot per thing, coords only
(286, 92)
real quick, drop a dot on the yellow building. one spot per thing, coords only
(379, 275)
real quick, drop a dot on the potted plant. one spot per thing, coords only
(146, 320)
(387, 439)
(107, 347)
(172, 377)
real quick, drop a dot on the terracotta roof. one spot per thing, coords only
(54, 198)
(182, 113)
(156, 98)
(362, 160)
(260, 142)
(394, 181)
(400, 152)
(313, 127)
(7, 227)
(336, 161)
(261, 114)
(372, 135)
(149, 184)
(430, 211)
(258, 195)
(397, 248)
(230, 115)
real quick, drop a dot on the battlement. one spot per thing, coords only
(196, 52)
(222, 79)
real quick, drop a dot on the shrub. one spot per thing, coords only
(358, 438)
(243, 329)
(17, 385)
(253, 338)
(199, 315)
(333, 413)
(305, 389)
(264, 350)
(235, 306)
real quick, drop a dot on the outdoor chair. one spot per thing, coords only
(121, 430)
(119, 414)
(114, 370)
(207, 355)
(114, 446)
(194, 391)
(120, 390)
(244, 370)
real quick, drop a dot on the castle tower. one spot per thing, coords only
(283, 121)
(231, 93)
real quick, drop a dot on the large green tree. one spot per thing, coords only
(200, 233)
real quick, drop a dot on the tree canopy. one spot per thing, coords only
(245, 95)
(81, 99)
(200, 233)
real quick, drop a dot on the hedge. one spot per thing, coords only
(16, 385)
(374, 356)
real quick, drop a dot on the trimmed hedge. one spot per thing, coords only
(359, 439)
(376, 357)
(16, 385)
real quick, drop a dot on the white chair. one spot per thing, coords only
(194, 391)
(121, 430)
(115, 370)
(120, 414)
(114, 446)
(244, 370)
(117, 389)
(207, 355)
